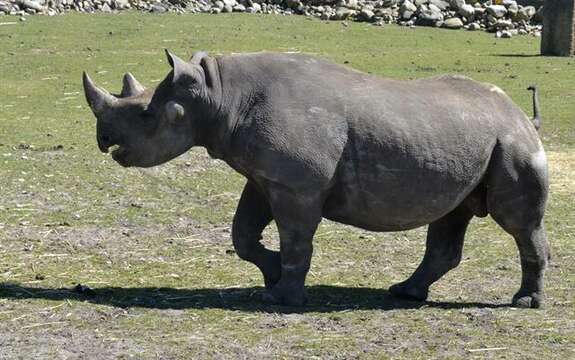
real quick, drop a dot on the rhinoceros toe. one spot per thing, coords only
(406, 290)
(282, 296)
(527, 300)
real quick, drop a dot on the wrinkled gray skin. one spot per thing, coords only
(317, 140)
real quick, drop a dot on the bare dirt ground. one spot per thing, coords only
(177, 290)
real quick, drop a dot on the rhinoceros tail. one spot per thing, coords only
(536, 107)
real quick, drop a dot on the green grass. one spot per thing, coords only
(154, 244)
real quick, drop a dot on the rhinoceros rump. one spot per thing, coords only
(317, 140)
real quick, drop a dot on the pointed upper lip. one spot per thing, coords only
(119, 155)
(118, 151)
(103, 147)
(106, 146)
(105, 143)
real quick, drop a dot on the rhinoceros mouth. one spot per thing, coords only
(119, 154)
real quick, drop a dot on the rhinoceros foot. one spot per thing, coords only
(406, 290)
(283, 295)
(270, 282)
(527, 300)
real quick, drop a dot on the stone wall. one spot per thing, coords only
(505, 20)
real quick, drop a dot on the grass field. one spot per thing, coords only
(154, 245)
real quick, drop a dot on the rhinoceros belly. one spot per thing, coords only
(392, 182)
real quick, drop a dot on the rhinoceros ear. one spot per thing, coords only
(172, 59)
(98, 99)
(131, 86)
(210, 68)
(198, 57)
(181, 68)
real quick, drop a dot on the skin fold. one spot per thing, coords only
(318, 140)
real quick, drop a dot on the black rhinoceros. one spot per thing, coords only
(318, 140)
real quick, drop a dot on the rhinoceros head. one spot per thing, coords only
(150, 127)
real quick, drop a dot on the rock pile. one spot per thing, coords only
(506, 18)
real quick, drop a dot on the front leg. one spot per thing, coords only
(252, 216)
(297, 218)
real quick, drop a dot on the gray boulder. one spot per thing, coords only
(158, 8)
(433, 8)
(5, 7)
(389, 3)
(503, 24)
(491, 20)
(429, 17)
(29, 4)
(474, 26)
(366, 14)
(342, 13)
(293, 4)
(121, 4)
(512, 10)
(467, 11)
(453, 23)
(456, 4)
(509, 3)
(407, 10)
(352, 4)
(441, 4)
(525, 13)
(497, 11)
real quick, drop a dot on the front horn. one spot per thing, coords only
(131, 86)
(97, 98)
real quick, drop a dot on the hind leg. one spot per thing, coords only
(531, 240)
(534, 253)
(443, 253)
(516, 199)
(521, 216)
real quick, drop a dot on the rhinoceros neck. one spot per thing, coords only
(230, 103)
(213, 132)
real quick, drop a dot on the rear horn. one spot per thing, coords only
(131, 86)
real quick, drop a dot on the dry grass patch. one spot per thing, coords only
(562, 172)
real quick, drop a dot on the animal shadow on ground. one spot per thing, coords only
(323, 298)
(517, 55)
